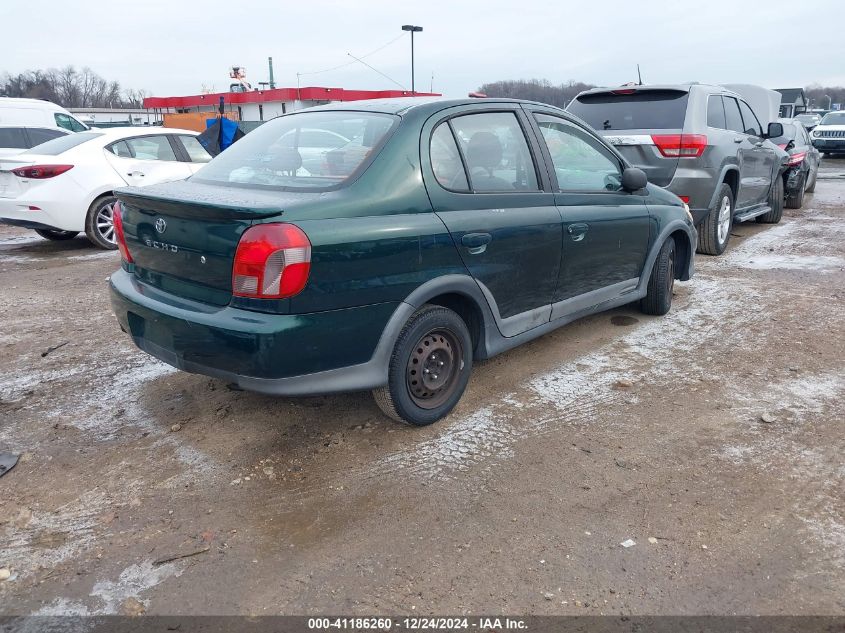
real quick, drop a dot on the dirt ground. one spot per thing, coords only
(617, 427)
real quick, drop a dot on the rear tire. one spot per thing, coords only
(715, 231)
(776, 204)
(796, 200)
(658, 297)
(429, 367)
(99, 223)
(56, 235)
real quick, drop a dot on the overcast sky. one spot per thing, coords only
(170, 47)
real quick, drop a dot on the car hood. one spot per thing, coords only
(837, 128)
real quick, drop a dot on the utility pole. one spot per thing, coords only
(413, 29)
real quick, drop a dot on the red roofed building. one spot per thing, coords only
(260, 105)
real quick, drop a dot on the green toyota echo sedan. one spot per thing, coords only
(387, 245)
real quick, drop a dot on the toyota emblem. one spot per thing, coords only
(161, 225)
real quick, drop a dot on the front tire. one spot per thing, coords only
(429, 368)
(658, 297)
(775, 203)
(715, 231)
(99, 223)
(796, 200)
(55, 235)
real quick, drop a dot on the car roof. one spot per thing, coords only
(27, 101)
(129, 132)
(402, 105)
(34, 127)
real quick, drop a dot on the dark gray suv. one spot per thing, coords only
(703, 143)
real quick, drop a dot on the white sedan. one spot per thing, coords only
(65, 186)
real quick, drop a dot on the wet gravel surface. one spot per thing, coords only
(711, 438)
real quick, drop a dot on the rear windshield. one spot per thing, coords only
(12, 137)
(644, 110)
(303, 151)
(64, 143)
(790, 133)
(834, 118)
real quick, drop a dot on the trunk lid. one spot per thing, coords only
(183, 236)
(13, 187)
(628, 117)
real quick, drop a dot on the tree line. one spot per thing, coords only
(540, 90)
(560, 95)
(70, 88)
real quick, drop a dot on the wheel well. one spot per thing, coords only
(682, 253)
(466, 308)
(732, 181)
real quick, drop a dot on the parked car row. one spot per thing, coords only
(388, 246)
(703, 143)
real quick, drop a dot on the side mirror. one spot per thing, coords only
(634, 179)
(775, 130)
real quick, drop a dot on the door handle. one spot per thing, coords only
(135, 173)
(476, 243)
(738, 139)
(578, 231)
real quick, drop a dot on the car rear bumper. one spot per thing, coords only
(698, 185)
(45, 215)
(794, 180)
(287, 354)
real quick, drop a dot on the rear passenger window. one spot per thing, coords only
(716, 112)
(151, 148)
(752, 125)
(446, 160)
(496, 152)
(12, 137)
(732, 115)
(196, 152)
(581, 162)
(120, 149)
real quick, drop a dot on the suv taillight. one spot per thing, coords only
(40, 172)
(119, 236)
(272, 262)
(680, 145)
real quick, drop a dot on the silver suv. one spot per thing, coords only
(702, 143)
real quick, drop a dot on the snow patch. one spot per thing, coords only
(794, 262)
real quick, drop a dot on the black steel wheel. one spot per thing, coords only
(429, 368)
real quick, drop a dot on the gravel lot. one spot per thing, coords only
(617, 427)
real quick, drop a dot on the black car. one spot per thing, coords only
(802, 164)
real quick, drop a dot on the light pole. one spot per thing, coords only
(829, 101)
(413, 29)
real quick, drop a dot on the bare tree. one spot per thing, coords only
(70, 88)
(535, 90)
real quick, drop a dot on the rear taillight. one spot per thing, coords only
(39, 172)
(272, 262)
(796, 159)
(119, 236)
(783, 145)
(680, 145)
(685, 199)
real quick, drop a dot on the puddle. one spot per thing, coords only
(623, 320)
